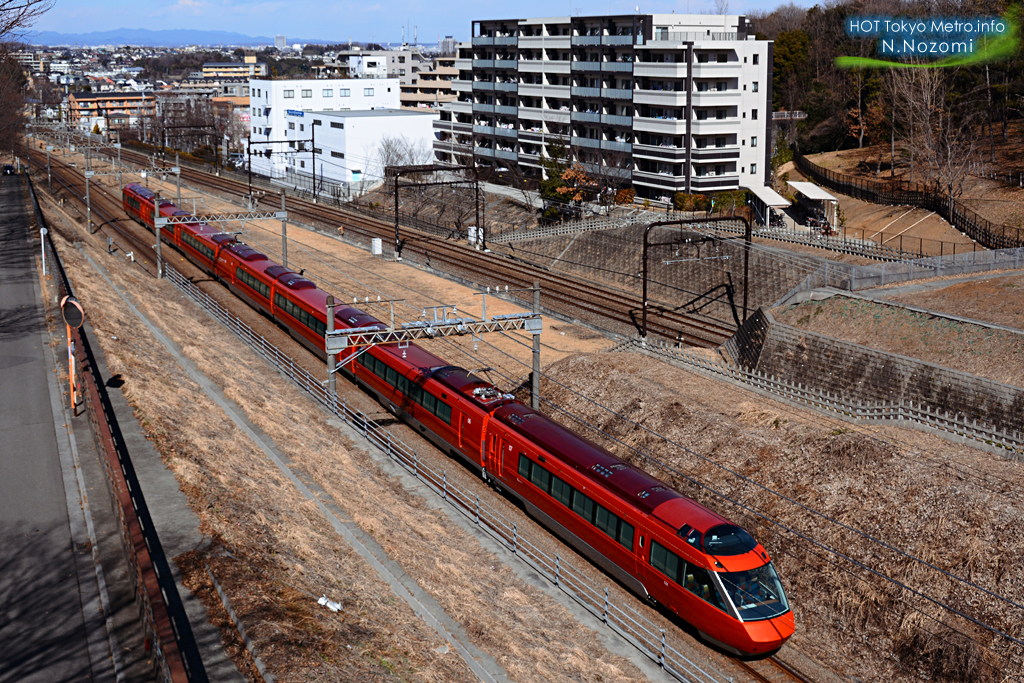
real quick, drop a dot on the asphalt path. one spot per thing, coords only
(43, 633)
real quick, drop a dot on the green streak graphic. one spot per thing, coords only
(989, 50)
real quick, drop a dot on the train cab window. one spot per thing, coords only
(698, 581)
(728, 539)
(693, 538)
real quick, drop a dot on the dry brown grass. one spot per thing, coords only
(267, 537)
(956, 508)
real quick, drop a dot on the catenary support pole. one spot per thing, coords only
(88, 204)
(156, 230)
(49, 179)
(177, 165)
(284, 234)
(535, 375)
(332, 359)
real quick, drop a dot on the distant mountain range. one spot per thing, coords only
(166, 38)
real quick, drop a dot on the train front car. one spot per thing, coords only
(741, 606)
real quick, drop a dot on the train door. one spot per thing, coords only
(493, 448)
(469, 437)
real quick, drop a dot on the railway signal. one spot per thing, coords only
(74, 317)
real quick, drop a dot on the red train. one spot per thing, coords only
(662, 545)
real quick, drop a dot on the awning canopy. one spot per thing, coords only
(812, 191)
(769, 197)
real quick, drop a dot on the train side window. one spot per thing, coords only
(540, 477)
(392, 376)
(429, 402)
(625, 534)
(583, 506)
(444, 412)
(606, 521)
(561, 491)
(699, 582)
(524, 466)
(666, 561)
(641, 541)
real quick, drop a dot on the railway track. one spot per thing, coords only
(106, 208)
(563, 295)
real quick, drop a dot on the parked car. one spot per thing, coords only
(8, 169)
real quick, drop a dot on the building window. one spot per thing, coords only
(722, 58)
(338, 155)
(368, 92)
(753, 168)
(317, 150)
(307, 93)
(401, 72)
(753, 141)
(719, 169)
(291, 125)
(317, 122)
(753, 87)
(756, 58)
(291, 143)
(302, 126)
(289, 94)
(328, 92)
(719, 114)
(302, 164)
(337, 124)
(344, 92)
(753, 115)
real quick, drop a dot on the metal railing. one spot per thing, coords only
(142, 547)
(577, 583)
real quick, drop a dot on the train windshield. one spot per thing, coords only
(757, 593)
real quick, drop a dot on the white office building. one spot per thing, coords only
(663, 103)
(348, 143)
(271, 100)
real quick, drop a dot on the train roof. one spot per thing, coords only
(473, 388)
(245, 252)
(645, 492)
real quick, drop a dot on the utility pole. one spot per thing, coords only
(248, 151)
(156, 229)
(398, 243)
(535, 375)
(118, 145)
(332, 359)
(49, 180)
(88, 202)
(284, 235)
(177, 165)
(313, 142)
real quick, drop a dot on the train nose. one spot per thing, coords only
(768, 635)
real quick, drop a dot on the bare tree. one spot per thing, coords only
(16, 16)
(12, 112)
(398, 150)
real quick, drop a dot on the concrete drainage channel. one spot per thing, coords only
(633, 627)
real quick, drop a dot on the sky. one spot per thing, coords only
(366, 20)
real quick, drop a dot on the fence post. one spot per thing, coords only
(478, 509)
(444, 482)
(661, 658)
(558, 568)
(604, 614)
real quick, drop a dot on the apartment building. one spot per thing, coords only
(117, 108)
(271, 101)
(248, 68)
(348, 143)
(663, 103)
(432, 87)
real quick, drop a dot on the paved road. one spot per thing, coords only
(43, 635)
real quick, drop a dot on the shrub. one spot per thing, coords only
(625, 196)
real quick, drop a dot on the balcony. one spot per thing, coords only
(463, 64)
(506, 64)
(585, 142)
(715, 153)
(592, 117)
(507, 132)
(616, 146)
(717, 182)
(502, 154)
(483, 85)
(461, 86)
(660, 152)
(662, 98)
(616, 120)
(661, 180)
(506, 40)
(586, 40)
(714, 125)
(483, 151)
(711, 98)
(624, 67)
(617, 93)
(483, 63)
(664, 126)
(508, 87)
(659, 69)
(711, 69)
(608, 171)
(586, 66)
(460, 107)
(535, 113)
(483, 130)
(616, 40)
(585, 92)
(483, 40)
(485, 108)
(505, 109)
